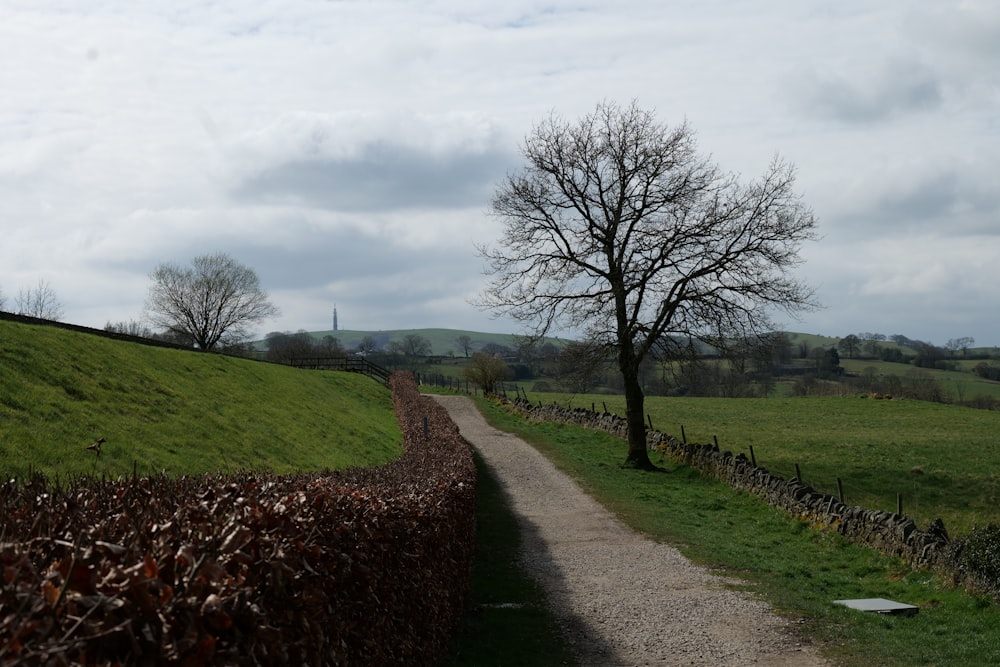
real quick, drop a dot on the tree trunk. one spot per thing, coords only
(638, 456)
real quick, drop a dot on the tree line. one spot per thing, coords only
(39, 301)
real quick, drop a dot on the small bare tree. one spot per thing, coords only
(212, 302)
(415, 345)
(486, 371)
(40, 301)
(130, 328)
(579, 365)
(616, 227)
(464, 344)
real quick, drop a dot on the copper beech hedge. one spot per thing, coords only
(364, 567)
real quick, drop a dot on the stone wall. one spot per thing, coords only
(888, 532)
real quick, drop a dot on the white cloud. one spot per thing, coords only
(348, 150)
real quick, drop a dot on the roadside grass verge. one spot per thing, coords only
(798, 569)
(930, 453)
(508, 622)
(182, 412)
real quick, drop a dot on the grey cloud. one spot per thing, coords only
(382, 177)
(947, 201)
(870, 95)
(944, 203)
(328, 258)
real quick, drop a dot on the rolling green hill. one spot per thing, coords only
(179, 411)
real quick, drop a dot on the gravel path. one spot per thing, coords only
(621, 598)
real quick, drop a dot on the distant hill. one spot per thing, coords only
(444, 342)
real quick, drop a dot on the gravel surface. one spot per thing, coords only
(622, 599)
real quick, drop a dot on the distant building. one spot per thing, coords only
(335, 318)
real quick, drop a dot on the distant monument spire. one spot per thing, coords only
(334, 317)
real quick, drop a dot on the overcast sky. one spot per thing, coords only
(348, 150)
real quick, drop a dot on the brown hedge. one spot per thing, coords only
(369, 566)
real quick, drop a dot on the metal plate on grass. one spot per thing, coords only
(880, 606)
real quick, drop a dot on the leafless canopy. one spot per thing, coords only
(213, 301)
(40, 301)
(618, 228)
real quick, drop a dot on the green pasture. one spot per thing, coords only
(944, 460)
(958, 386)
(179, 411)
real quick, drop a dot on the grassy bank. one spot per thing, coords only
(799, 570)
(932, 454)
(179, 411)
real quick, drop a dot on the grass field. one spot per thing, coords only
(939, 457)
(958, 385)
(179, 411)
(799, 570)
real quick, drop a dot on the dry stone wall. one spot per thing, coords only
(890, 533)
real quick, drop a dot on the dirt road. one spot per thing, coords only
(621, 598)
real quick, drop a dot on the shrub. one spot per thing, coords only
(978, 558)
(369, 566)
(486, 371)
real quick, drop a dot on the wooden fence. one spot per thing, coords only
(350, 364)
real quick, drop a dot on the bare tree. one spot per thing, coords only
(486, 371)
(579, 365)
(617, 227)
(130, 328)
(40, 301)
(214, 301)
(330, 346)
(901, 340)
(849, 344)
(464, 344)
(963, 344)
(285, 347)
(415, 345)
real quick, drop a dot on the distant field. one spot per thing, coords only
(941, 458)
(958, 385)
(179, 411)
